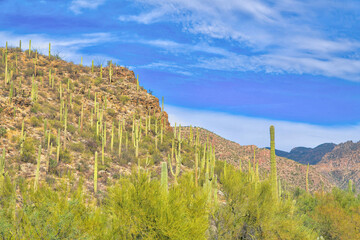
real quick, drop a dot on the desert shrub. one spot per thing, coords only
(29, 72)
(98, 81)
(2, 132)
(77, 146)
(138, 209)
(65, 156)
(35, 122)
(28, 153)
(71, 128)
(35, 108)
(123, 99)
(253, 213)
(111, 112)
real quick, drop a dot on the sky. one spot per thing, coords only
(234, 67)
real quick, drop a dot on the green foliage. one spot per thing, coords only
(35, 108)
(251, 214)
(138, 211)
(124, 99)
(36, 122)
(65, 156)
(28, 154)
(2, 132)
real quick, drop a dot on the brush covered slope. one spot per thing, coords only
(337, 162)
(291, 173)
(86, 153)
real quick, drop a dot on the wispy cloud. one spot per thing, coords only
(78, 5)
(248, 130)
(280, 35)
(68, 48)
(175, 47)
(168, 67)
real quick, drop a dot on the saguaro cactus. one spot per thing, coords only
(36, 183)
(110, 71)
(29, 47)
(2, 167)
(178, 164)
(49, 50)
(350, 186)
(112, 137)
(58, 147)
(273, 173)
(120, 137)
(196, 167)
(137, 83)
(95, 172)
(162, 104)
(164, 177)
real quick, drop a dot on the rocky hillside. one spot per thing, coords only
(339, 163)
(342, 164)
(306, 155)
(60, 112)
(289, 171)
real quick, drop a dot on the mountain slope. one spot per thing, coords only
(290, 171)
(70, 106)
(342, 164)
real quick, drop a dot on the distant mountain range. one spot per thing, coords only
(338, 162)
(306, 155)
(289, 171)
(331, 164)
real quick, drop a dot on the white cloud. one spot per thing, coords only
(175, 47)
(68, 48)
(78, 5)
(279, 34)
(249, 130)
(167, 66)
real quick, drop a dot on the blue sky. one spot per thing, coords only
(295, 64)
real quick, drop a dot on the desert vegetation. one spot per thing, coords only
(87, 153)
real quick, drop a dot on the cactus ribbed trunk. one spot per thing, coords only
(36, 183)
(273, 173)
(95, 172)
(350, 186)
(164, 177)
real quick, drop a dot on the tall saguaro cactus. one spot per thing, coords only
(36, 183)
(164, 177)
(95, 172)
(350, 186)
(2, 167)
(273, 173)
(29, 47)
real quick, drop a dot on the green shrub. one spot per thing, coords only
(77, 147)
(65, 156)
(111, 112)
(28, 154)
(124, 99)
(35, 122)
(35, 108)
(2, 132)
